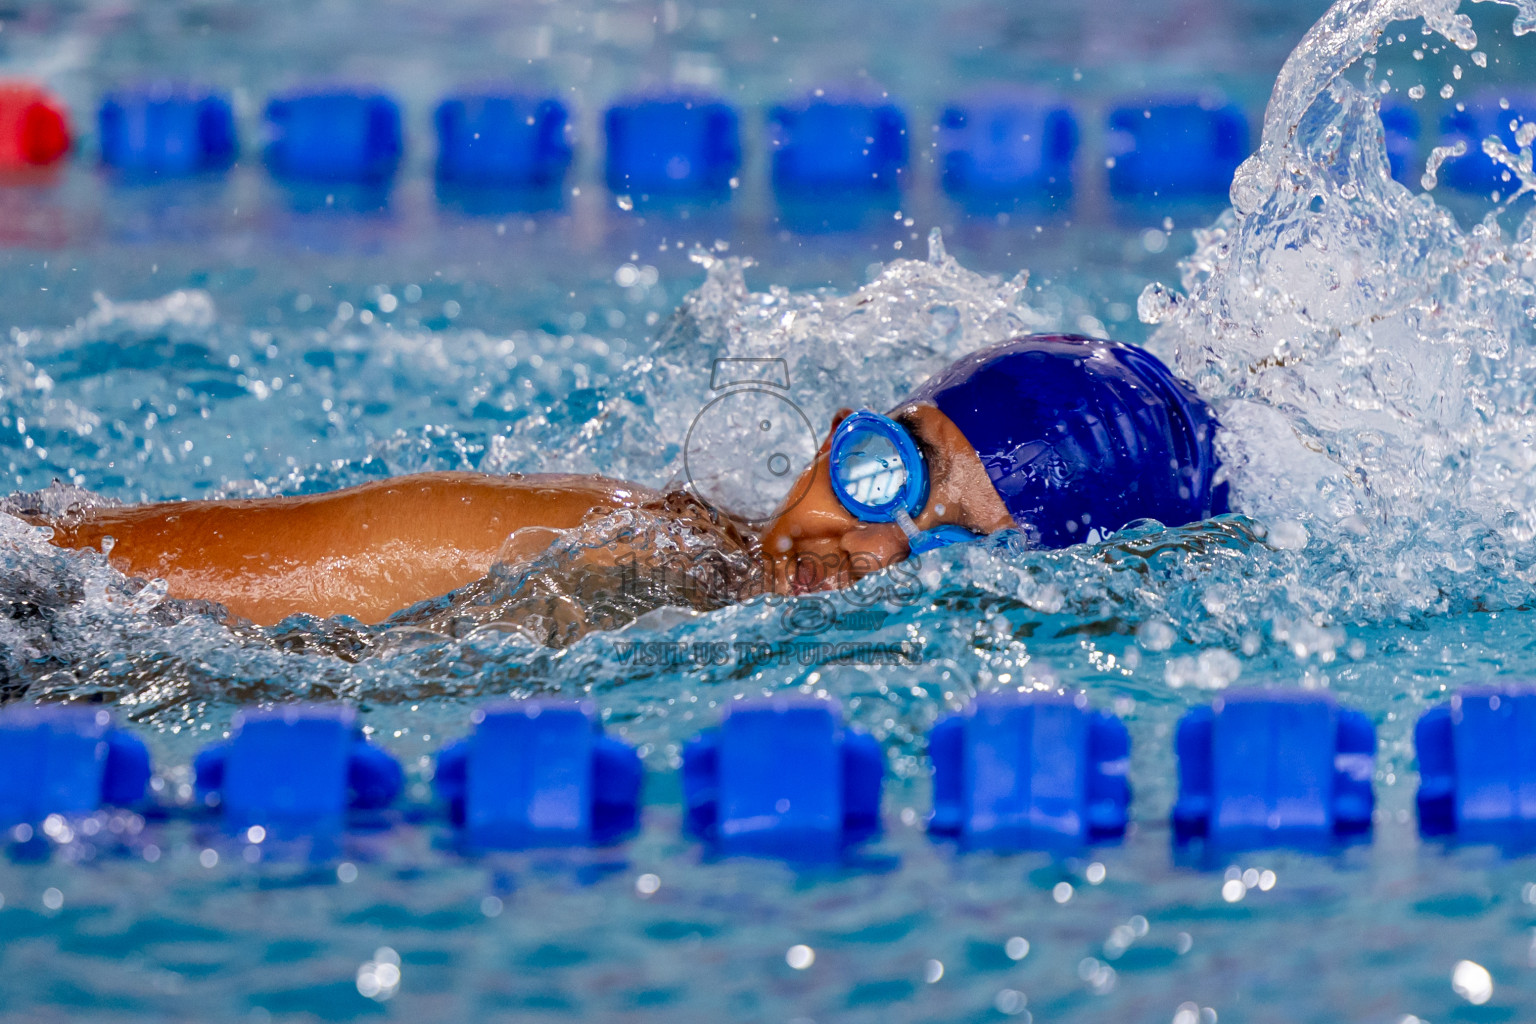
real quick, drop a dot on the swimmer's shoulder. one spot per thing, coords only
(696, 514)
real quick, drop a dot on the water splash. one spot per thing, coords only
(1437, 158)
(1372, 360)
(1342, 37)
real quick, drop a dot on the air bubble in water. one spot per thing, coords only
(1288, 535)
(1156, 635)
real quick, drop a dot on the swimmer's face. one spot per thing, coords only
(817, 544)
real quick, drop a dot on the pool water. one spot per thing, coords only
(1368, 347)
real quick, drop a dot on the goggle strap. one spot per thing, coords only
(908, 527)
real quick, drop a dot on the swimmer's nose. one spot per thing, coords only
(816, 543)
(813, 513)
(801, 546)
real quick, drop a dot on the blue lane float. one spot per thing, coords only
(334, 136)
(1274, 768)
(783, 778)
(1402, 129)
(502, 140)
(298, 769)
(1007, 145)
(676, 146)
(1017, 771)
(1477, 766)
(66, 760)
(166, 131)
(540, 773)
(1497, 113)
(825, 148)
(1170, 147)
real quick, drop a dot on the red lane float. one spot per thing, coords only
(34, 132)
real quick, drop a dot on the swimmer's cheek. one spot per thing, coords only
(866, 563)
(805, 572)
(870, 549)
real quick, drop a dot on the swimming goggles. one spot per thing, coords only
(880, 476)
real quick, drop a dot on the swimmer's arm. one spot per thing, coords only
(366, 551)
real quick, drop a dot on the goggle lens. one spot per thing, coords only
(877, 471)
(871, 470)
(880, 476)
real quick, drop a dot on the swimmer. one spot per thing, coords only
(1062, 437)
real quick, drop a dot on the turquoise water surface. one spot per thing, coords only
(1369, 350)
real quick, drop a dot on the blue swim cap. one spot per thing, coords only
(1080, 434)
